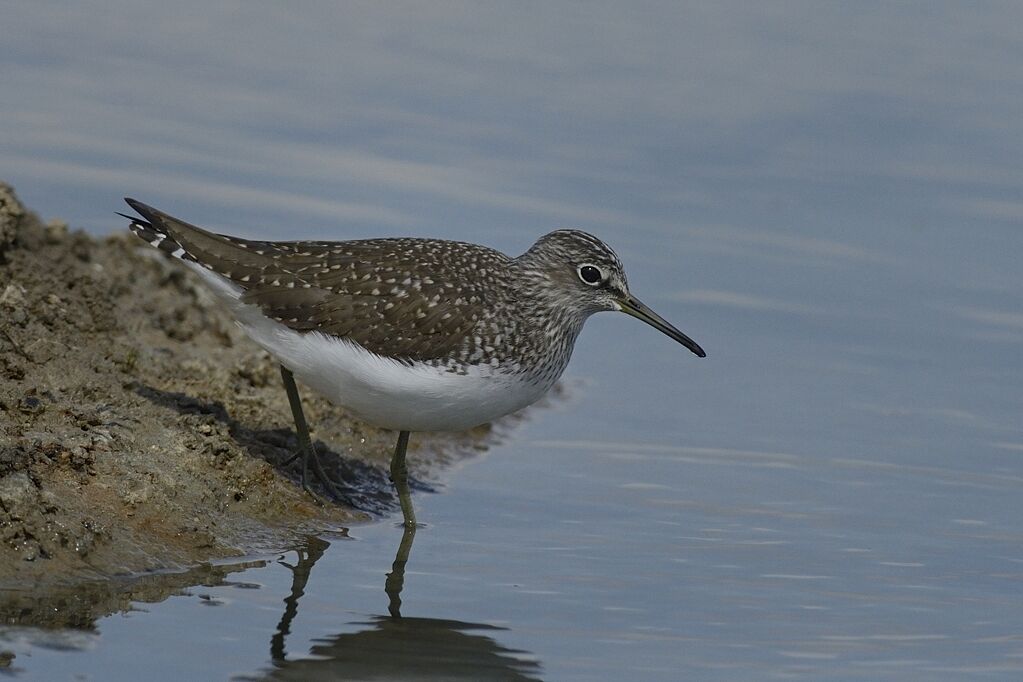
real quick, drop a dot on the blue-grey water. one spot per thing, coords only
(826, 196)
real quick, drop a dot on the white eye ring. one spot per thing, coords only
(590, 274)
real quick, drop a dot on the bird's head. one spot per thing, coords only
(584, 275)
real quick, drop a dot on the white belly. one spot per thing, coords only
(389, 394)
(379, 390)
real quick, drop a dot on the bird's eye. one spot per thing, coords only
(590, 274)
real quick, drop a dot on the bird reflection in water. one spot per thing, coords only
(394, 646)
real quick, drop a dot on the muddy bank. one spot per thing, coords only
(140, 431)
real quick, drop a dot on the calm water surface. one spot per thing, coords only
(828, 201)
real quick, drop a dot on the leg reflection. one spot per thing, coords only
(307, 558)
(396, 578)
(395, 647)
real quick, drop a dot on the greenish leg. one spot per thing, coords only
(305, 443)
(399, 475)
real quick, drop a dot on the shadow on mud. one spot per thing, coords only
(362, 485)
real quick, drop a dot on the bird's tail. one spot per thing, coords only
(239, 260)
(154, 236)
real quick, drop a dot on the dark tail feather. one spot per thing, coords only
(154, 236)
(240, 260)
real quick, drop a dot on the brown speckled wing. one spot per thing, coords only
(407, 330)
(410, 299)
(413, 299)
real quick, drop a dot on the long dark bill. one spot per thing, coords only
(633, 306)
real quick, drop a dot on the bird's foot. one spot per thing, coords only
(325, 481)
(319, 499)
(308, 454)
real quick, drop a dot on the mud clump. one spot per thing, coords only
(11, 213)
(140, 430)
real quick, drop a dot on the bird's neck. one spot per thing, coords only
(547, 326)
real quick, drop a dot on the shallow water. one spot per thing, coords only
(582, 561)
(827, 201)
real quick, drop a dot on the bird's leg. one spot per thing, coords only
(399, 475)
(305, 444)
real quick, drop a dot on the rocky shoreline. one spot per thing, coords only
(140, 431)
